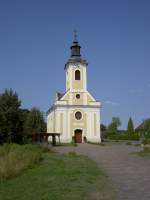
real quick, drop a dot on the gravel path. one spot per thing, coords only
(130, 174)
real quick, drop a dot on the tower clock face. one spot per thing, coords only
(77, 65)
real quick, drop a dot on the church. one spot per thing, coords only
(75, 114)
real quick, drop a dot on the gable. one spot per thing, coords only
(90, 97)
(65, 97)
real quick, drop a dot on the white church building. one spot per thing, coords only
(75, 114)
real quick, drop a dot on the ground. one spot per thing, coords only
(128, 172)
(59, 177)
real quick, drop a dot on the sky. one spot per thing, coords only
(35, 40)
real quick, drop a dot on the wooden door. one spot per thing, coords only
(78, 136)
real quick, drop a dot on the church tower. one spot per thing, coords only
(76, 69)
(75, 113)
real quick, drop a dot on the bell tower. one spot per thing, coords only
(76, 79)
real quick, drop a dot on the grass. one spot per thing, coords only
(59, 177)
(128, 143)
(97, 143)
(67, 144)
(146, 141)
(16, 158)
(145, 152)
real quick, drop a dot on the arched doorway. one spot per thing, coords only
(78, 136)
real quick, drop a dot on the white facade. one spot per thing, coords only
(75, 114)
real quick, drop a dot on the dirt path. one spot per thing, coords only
(130, 174)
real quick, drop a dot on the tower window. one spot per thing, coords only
(77, 75)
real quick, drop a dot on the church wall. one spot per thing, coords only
(90, 123)
(85, 99)
(71, 124)
(93, 125)
(77, 124)
(62, 123)
(84, 78)
(95, 128)
(50, 122)
(68, 78)
(66, 124)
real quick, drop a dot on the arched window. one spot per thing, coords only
(77, 75)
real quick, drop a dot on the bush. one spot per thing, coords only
(134, 136)
(128, 143)
(16, 158)
(146, 141)
(147, 135)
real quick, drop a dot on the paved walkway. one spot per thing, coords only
(130, 174)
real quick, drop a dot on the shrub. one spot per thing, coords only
(16, 158)
(146, 141)
(147, 135)
(128, 143)
(146, 149)
(134, 136)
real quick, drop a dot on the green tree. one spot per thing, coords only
(146, 128)
(113, 126)
(10, 117)
(102, 127)
(130, 127)
(35, 122)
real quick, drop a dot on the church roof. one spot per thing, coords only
(142, 125)
(59, 95)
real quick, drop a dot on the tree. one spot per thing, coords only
(117, 121)
(10, 117)
(130, 127)
(34, 123)
(102, 127)
(113, 126)
(146, 128)
(103, 132)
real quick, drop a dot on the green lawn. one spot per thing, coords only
(59, 177)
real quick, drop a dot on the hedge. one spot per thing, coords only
(134, 136)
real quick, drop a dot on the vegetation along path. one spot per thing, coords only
(129, 173)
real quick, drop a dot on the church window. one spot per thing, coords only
(77, 75)
(78, 96)
(78, 115)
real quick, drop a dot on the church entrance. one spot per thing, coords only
(78, 136)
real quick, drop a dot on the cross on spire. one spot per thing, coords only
(75, 35)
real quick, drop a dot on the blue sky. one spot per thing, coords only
(35, 39)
